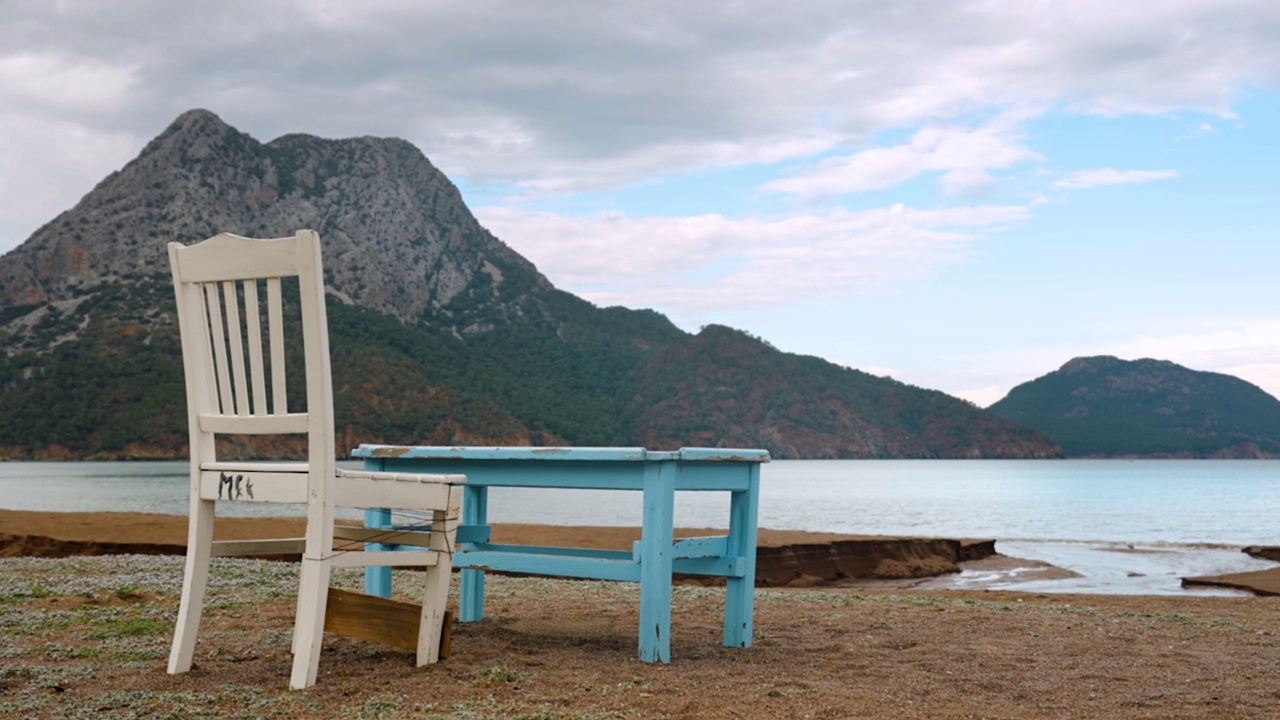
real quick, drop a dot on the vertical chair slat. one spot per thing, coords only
(254, 322)
(234, 330)
(200, 352)
(279, 405)
(214, 308)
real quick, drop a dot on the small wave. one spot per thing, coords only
(1127, 545)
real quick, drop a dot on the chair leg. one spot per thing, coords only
(313, 594)
(435, 597)
(194, 581)
(308, 633)
(304, 574)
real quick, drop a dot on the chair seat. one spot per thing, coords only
(250, 466)
(358, 488)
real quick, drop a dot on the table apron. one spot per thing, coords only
(588, 563)
(587, 475)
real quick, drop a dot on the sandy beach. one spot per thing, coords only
(88, 636)
(786, 558)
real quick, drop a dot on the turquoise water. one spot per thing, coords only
(1227, 502)
(1185, 502)
(1190, 516)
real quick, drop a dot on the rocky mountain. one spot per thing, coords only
(1104, 406)
(398, 238)
(440, 333)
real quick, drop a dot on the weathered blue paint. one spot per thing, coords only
(653, 559)
(701, 547)
(559, 454)
(725, 567)
(378, 583)
(559, 565)
(473, 534)
(739, 598)
(475, 513)
(618, 555)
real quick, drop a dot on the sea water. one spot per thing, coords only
(1125, 525)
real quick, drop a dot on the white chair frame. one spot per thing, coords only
(229, 379)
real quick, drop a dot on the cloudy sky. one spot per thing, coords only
(962, 196)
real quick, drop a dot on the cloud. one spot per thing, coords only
(576, 96)
(46, 166)
(983, 397)
(57, 81)
(689, 266)
(548, 100)
(1106, 176)
(967, 181)
(963, 154)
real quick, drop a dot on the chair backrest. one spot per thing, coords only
(234, 353)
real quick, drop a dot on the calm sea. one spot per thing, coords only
(1188, 517)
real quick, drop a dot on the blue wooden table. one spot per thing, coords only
(653, 559)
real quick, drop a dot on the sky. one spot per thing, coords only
(959, 195)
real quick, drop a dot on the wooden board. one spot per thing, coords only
(390, 622)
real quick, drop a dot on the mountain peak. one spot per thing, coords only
(196, 122)
(196, 130)
(1088, 364)
(397, 237)
(196, 118)
(1110, 363)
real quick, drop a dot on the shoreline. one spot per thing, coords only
(785, 558)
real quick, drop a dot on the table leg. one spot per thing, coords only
(475, 512)
(655, 561)
(739, 601)
(377, 580)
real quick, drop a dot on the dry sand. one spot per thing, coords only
(88, 637)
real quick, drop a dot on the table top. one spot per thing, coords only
(601, 468)
(561, 454)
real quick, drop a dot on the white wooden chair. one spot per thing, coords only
(236, 385)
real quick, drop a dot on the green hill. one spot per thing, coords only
(1104, 407)
(725, 386)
